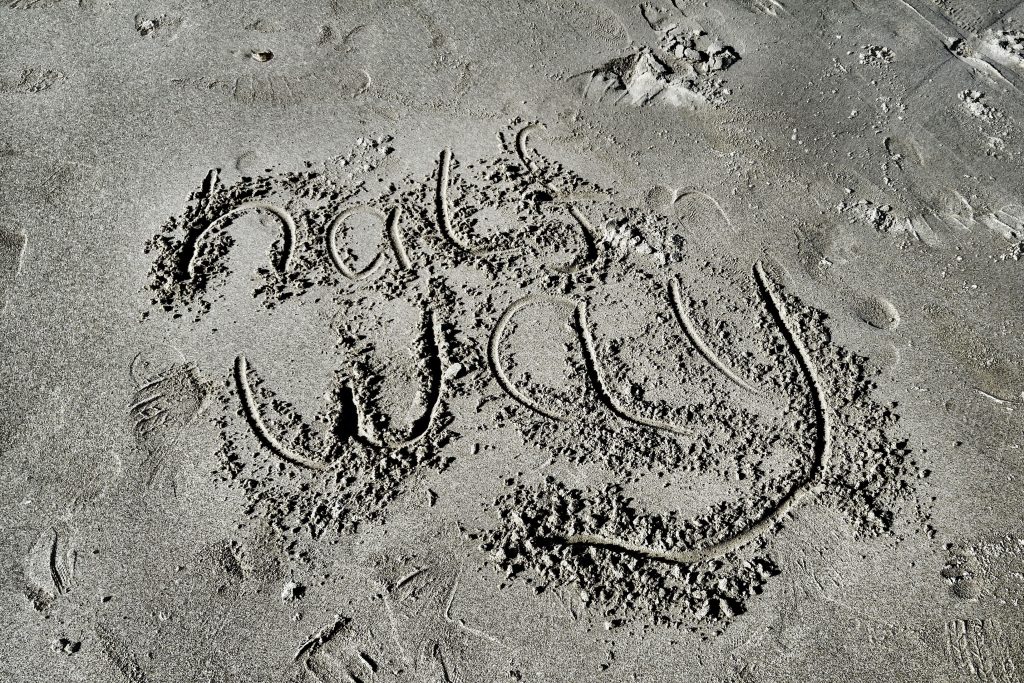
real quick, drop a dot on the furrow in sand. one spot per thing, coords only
(521, 139)
(691, 332)
(601, 386)
(444, 211)
(259, 427)
(589, 234)
(494, 348)
(396, 239)
(332, 245)
(421, 427)
(287, 229)
(810, 484)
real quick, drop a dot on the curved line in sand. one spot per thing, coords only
(593, 367)
(589, 234)
(589, 240)
(287, 229)
(601, 386)
(252, 415)
(686, 192)
(443, 208)
(396, 239)
(521, 139)
(444, 216)
(421, 426)
(332, 246)
(493, 344)
(697, 341)
(821, 455)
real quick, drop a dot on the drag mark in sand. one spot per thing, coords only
(601, 386)
(390, 222)
(332, 245)
(521, 139)
(55, 575)
(494, 353)
(396, 239)
(444, 210)
(557, 196)
(589, 240)
(320, 639)
(809, 485)
(593, 366)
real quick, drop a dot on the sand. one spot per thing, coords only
(566, 341)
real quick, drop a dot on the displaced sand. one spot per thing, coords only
(540, 342)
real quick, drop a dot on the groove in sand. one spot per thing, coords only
(287, 228)
(444, 211)
(422, 425)
(601, 386)
(396, 239)
(589, 234)
(810, 484)
(493, 352)
(259, 427)
(332, 245)
(593, 368)
(695, 338)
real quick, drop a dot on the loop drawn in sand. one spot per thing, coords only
(601, 386)
(595, 375)
(332, 240)
(444, 211)
(494, 347)
(287, 229)
(589, 234)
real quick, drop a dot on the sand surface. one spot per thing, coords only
(352, 342)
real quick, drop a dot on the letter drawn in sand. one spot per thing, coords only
(287, 233)
(819, 456)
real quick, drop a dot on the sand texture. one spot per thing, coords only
(451, 342)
